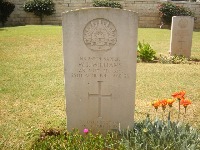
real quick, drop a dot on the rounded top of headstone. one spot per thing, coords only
(99, 8)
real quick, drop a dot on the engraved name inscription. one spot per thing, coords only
(100, 35)
(99, 67)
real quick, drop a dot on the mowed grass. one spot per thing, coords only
(159, 39)
(32, 81)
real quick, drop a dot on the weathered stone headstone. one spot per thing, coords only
(181, 35)
(100, 68)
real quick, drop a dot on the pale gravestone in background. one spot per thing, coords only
(100, 68)
(181, 35)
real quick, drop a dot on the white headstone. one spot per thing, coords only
(100, 68)
(181, 35)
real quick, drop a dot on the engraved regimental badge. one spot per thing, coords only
(100, 35)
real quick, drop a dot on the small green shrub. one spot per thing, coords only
(145, 52)
(106, 3)
(168, 10)
(53, 139)
(160, 135)
(6, 8)
(194, 59)
(173, 59)
(147, 134)
(40, 8)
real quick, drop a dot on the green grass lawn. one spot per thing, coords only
(32, 87)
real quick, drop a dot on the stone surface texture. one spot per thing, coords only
(181, 35)
(100, 68)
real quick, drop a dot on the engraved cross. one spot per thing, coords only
(100, 96)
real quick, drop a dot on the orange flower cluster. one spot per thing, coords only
(170, 102)
(179, 95)
(163, 103)
(185, 102)
(156, 104)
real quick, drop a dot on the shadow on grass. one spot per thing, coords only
(2, 29)
(196, 30)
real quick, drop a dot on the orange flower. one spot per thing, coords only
(179, 95)
(185, 102)
(163, 103)
(156, 104)
(170, 102)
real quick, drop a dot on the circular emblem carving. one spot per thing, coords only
(183, 23)
(100, 35)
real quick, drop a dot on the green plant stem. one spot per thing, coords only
(170, 107)
(185, 110)
(179, 108)
(156, 114)
(163, 115)
(184, 117)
